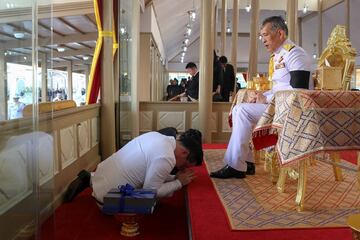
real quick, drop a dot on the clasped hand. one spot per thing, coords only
(185, 176)
(256, 97)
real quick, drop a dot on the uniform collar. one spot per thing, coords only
(278, 50)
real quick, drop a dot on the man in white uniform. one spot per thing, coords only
(145, 162)
(289, 68)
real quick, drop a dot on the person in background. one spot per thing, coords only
(227, 85)
(289, 68)
(58, 97)
(147, 161)
(16, 108)
(192, 90)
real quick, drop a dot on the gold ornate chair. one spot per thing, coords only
(337, 56)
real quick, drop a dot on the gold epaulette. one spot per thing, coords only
(288, 47)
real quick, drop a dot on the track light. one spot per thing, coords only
(248, 7)
(19, 35)
(305, 9)
(61, 49)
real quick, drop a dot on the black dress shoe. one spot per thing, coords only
(77, 186)
(250, 170)
(228, 172)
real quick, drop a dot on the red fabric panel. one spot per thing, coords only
(261, 142)
(95, 87)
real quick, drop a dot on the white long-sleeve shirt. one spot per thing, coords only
(145, 162)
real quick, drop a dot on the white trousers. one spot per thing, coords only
(244, 118)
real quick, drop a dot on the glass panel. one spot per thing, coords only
(125, 70)
(26, 173)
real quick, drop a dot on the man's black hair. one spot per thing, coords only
(277, 22)
(223, 60)
(169, 131)
(191, 139)
(190, 65)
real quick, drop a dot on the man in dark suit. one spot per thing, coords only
(227, 85)
(193, 90)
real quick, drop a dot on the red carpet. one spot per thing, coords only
(81, 219)
(209, 220)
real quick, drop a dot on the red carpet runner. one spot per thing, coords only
(209, 220)
(82, 219)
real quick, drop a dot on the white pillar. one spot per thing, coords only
(107, 110)
(223, 27)
(69, 69)
(292, 6)
(44, 78)
(254, 30)
(206, 68)
(347, 17)
(3, 90)
(135, 63)
(234, 34)
(320, 31)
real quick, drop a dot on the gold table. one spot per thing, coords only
(308, 123)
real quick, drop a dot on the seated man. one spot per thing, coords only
(145, 162)
(289, 68)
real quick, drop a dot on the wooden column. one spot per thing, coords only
(254, 30)
(44, 78)
(234, 35)
(347, 17)
(69, 69)
(3, 87)
(135, 63)
(214, 19)
(299, 36)
(107, 110)
(223, 27)
(320, 31)
(292, 6)
(206, 68)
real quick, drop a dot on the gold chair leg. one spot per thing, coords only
(335, 157)
(280, 185)
(275, 169)
(257, 156)
(301, 188)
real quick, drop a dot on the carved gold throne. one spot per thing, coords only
(336, 63)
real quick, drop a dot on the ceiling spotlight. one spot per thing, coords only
(25, 58)
(184, 48)
(192, 15)
(188, 29)
(86, 58)
(305, 9)
(182, 59)
(260, 37)
(186, 41)
(122, 30)
(6, 53)
(248, 7)
(61, 49)
(228, 29)
(19, 35)
(314, 56)
(182, 54)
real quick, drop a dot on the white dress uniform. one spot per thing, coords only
(286, 58)
(145, 162)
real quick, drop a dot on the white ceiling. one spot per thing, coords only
(172, 19)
